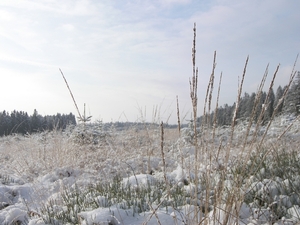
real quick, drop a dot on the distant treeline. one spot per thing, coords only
(21, 122)
(137, 125)
(290, 105)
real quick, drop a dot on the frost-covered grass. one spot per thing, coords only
(50, 178)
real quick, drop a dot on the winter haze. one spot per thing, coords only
(123, 57)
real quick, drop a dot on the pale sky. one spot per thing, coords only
(124, 58)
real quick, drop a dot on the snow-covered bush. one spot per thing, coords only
(88, 133)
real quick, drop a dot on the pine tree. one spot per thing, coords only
(250, 105)
(243, 111)
(292, 103)
(278, 96)
(5, 122)
(270, 106)
(221, 116)
(35, 121)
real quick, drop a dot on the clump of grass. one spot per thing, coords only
(6, 179)
(136, 199)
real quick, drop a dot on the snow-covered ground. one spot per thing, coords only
(44, 177)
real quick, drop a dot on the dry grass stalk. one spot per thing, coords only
(163, 156)
(208, 96)
(233, 123)
(194, 99)
(71, 94)
(179, 134)
(178, 117)
(215, 123)
(205, 129)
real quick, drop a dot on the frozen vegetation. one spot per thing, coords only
(84, 175)
(208, 173)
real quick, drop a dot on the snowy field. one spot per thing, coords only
(126, 177)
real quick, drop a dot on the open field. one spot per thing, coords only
(134, 176)
(244, 173)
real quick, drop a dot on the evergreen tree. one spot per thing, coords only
(269, 106)
(242, 112)
(25, 126)
(35, 121)
(229, 113)
(278, 96)
(250, 105)
(292, 103)
(5, 123)
(1, 123)
(221, 116)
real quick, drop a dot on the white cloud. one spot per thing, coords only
(172, 2)
(68, 27)
(6, 16)
(67, 7)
